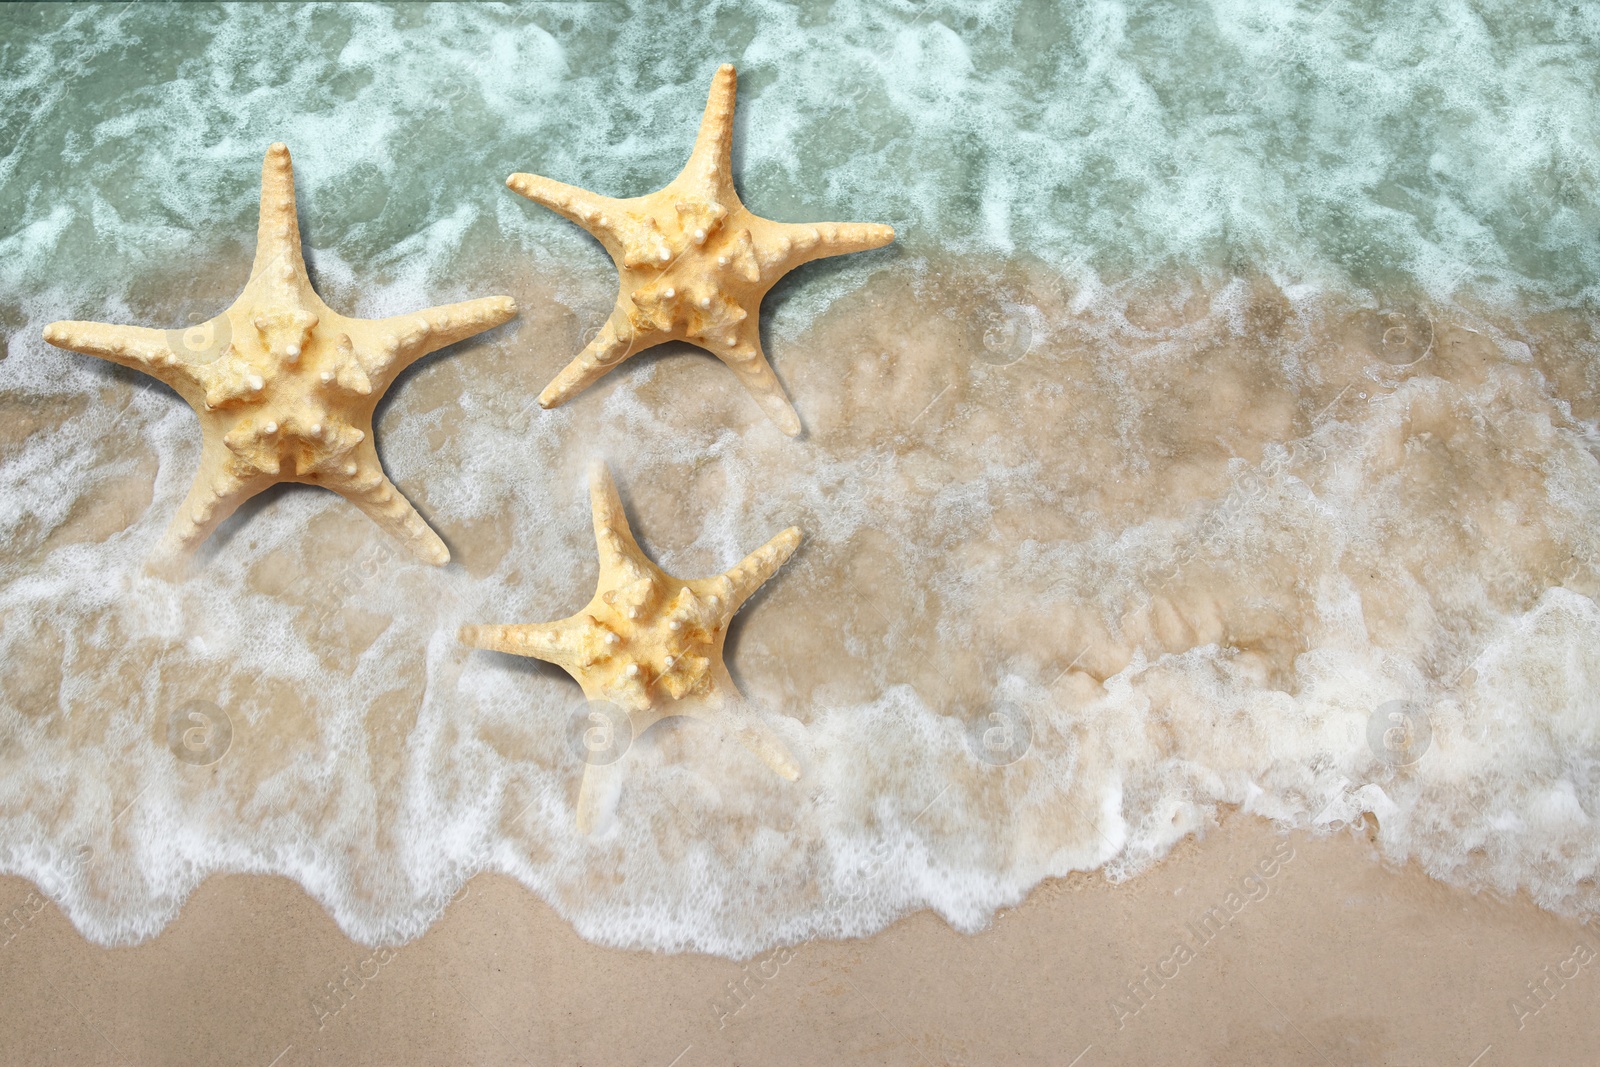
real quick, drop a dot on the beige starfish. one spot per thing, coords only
(647, 642)
(289, 397)
(693, 263)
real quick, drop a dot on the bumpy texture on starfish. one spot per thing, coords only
(649, 643)
(287, 392)
(693, 263)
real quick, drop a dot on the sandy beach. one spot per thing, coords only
(1178, 640)
(1336, 959)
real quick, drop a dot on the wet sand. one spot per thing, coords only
(1343, 961)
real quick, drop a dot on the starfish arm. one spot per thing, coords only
(217, 492)
(635, 242)
(404, 339)
(749, 363)
(749, 574)
(609, 348)
(517, 639)
(736, 717)
(278, 231)
(785, 246)
(765, 743)
(130, 346)
(572, 644)
(710, 163)
(600, 215)
(597, 794)
(612, 535)
(369, 489)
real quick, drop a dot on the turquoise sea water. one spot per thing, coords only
(1225, 404)
(1447, 147)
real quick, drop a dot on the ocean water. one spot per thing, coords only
(1220, 433)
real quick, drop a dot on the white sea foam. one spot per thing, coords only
(1447, 148)
(1187, 648)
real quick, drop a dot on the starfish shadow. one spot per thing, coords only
(229, 528)
(788, 287)
(537, 668)
(110, 373)
(463, 347)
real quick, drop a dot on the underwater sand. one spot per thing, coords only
(1187, 546)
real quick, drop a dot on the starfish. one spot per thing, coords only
(693, 263)
(287, 393)
(648, 643)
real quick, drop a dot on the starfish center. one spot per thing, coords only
(643, 637)
(691, 271)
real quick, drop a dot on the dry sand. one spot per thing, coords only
(1344, 961)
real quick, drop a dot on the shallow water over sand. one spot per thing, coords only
(1080, 568)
